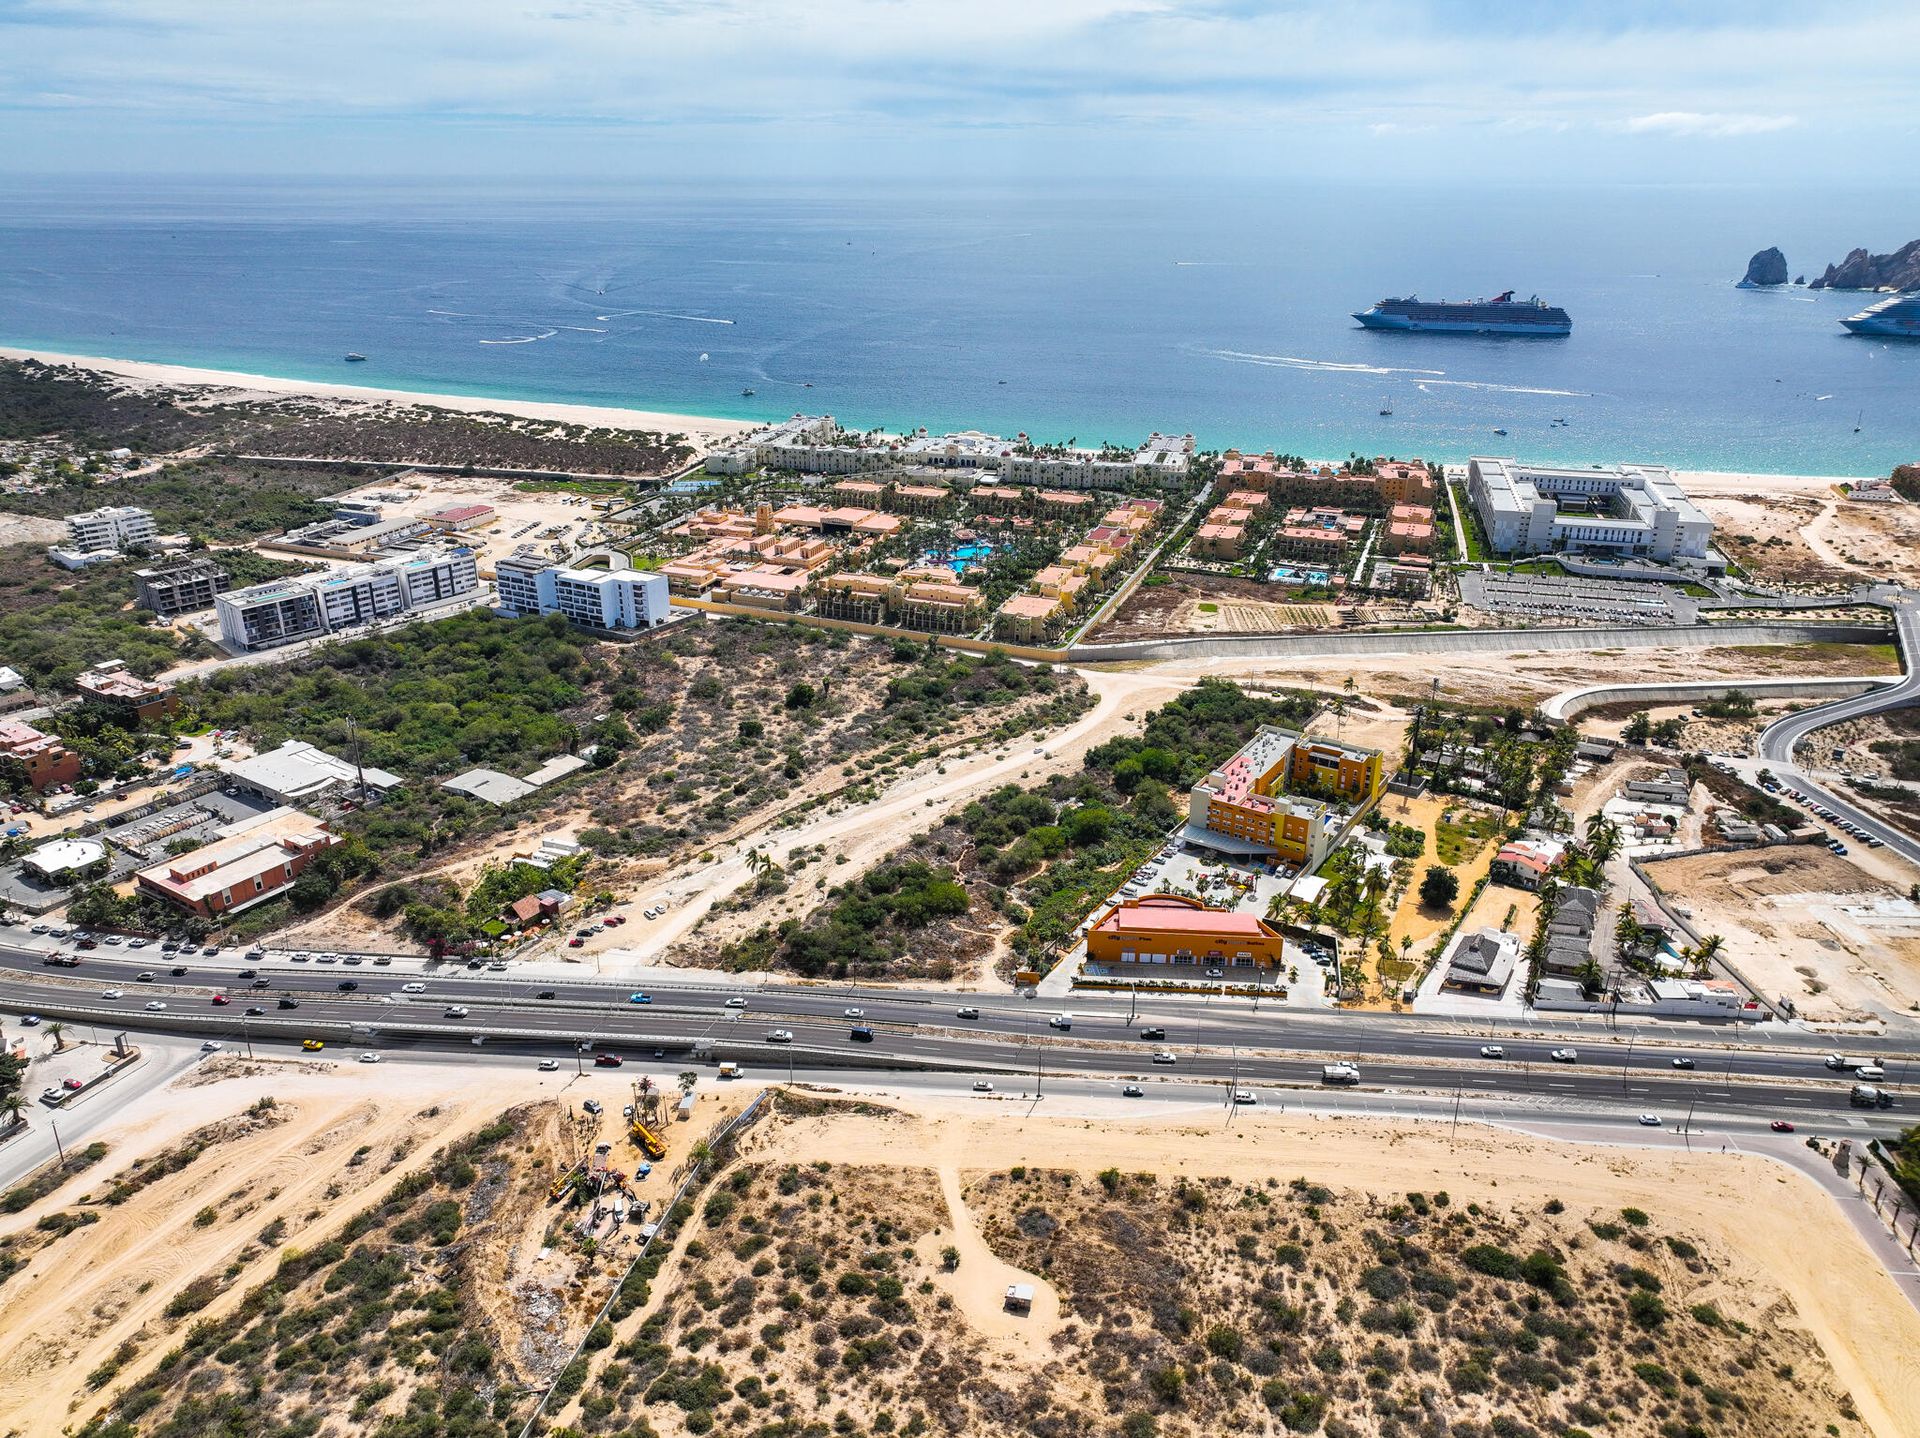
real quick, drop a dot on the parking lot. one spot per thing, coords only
(1549, 596)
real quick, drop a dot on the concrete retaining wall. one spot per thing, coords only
(1577, 701)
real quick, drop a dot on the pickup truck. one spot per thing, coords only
(1340, 1073)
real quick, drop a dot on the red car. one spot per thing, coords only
(1780, 1125)
(219, 999)
(575, 942)
(607, 1061)
(73, 1084)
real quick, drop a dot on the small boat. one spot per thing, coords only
(1499, 431)
(1859, 420)
(746, 393)
(356, 359)
(1386, 405)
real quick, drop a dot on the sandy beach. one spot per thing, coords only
(706, 432)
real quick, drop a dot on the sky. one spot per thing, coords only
(1645, 91)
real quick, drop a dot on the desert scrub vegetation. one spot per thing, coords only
(381, 1327)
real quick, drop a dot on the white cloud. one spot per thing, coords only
(1718, 127)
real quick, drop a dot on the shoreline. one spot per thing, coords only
(704, 430)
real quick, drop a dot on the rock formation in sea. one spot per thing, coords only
(1862, 271)
(1769, 267)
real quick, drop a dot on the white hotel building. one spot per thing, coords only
(1629, 510)
(599, 591)
(115, 528)
(308, 606)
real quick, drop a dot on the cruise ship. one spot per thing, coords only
(1896, 317)
(1501, 315)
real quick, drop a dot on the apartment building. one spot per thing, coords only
(1269, 798)
(1165, 932)
(1403, 481)
(1321, 533)
(1408, 530)
(110, 682)
(113, 529)
(39, 761)
(815, 444)
(1218, 541)
(1636, 510)
(251, 862)
(287, 611)
(1026, 618)
(180, 588)
(600, 590)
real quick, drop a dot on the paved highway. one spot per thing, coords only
(1213, 1038)
(1779, 739)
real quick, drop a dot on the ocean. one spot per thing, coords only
(1091, 314)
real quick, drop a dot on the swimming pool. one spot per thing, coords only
(1293, 574)
(961, 557)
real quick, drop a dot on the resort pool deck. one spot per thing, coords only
(961, 557)
(1295, 574)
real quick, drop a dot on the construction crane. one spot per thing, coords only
(645, 1138)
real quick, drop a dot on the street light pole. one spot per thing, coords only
(57, 1146)
(1626, 1061)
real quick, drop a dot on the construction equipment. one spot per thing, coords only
(645, 1138)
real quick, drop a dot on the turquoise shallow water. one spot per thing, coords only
(1091, 316)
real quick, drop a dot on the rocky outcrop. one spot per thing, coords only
(1862, 271)
(1766, 269)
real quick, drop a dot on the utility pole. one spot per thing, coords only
(57, 1146)
(353, 737)
(1456, 1114)
(579, 1066)
(1626, 1061)
(1687, 1130)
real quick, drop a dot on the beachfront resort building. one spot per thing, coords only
(1629, 510)
(113, 529)
(308, 606)
(251, 862)
(1167, 933)
(180, 587)
(600, 590)
(1275, 797)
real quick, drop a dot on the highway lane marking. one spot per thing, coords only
(1559, 1085)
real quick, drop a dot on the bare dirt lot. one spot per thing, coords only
(1813, 535)
(1805, 923)
(1221, 604)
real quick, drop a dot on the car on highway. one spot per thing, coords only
(179, 971)
(220, 1001)
(348, 986)
(1155, 1032)
(737, 1002)
(112, 994)
(544, 994)
(607, 1061)
(287, 1003)
(413, 988)
(1132, 1090)
(1649, 1120)
(1565, 1056)
(1164, 1056)
(145, 976)
(454, 1011)
(1060, 1021)
(983, 1086)
(154, 1006)
(862, 1033)
(255, 1013)
(780, 1036)
(969, 1012)
(1683, 1063)
(369, 1058)
(1492, 1051)
(853, 1013)
(243, 974)
(211, 1046)
(261, 984)
(1780, 1125)
(639, 998)
(548, 1066)
(1241, 1095)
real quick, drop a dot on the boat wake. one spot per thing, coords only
(1432, 376)
(523, 339)
(665, 315)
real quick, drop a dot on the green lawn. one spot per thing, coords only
(1459, 837)
(1477, 551)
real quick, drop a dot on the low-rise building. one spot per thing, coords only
(1223, 542)
(113, 529)
(1321, 533)
(299, 773)
(599, 590)
(1481, 963)
(308, 606)
(1026, 618)
(1167, 933)
(110, 682)
(68, 861)
(252, 861)
(1409, 576)
(1408, 530)
(182, 587)
(37, 760)
(451, 518)
(1524, 863)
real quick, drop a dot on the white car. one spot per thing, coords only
(736, 1002)
(211, 1046)
(1164, 1056)
(780, 1036)
(969, 1012)
(369, 1058)
(155, 1006)
(1649, 1120)
(1241, 1095)
(1492, 1051)
(854, 1013)
(415, 988)
(982, 1086)
(455, 1011)
(548, 1066)
(1565, 1056)
(111, 994)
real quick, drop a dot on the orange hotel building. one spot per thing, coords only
(1166, 929)
(1269, 798)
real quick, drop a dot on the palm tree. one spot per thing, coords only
(57, 1031)
(1704, 953)
(687, 1080)
(1374, 887)
(1603, 839)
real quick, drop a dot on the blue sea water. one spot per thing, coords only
(1092, 315)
